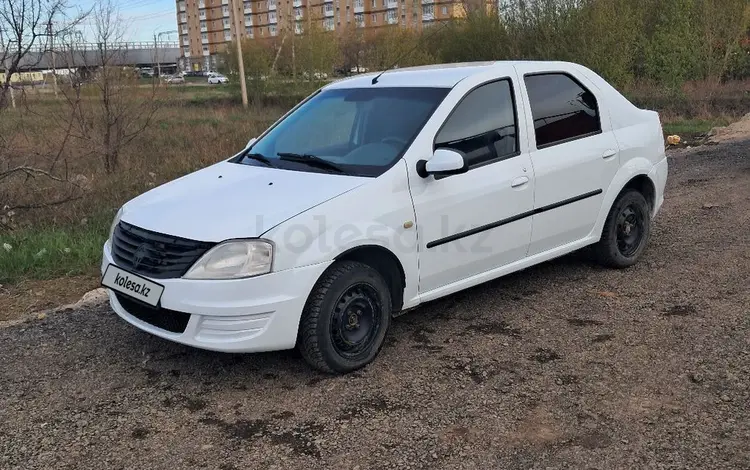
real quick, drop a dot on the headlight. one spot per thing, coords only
(234, 259)
(118, 216)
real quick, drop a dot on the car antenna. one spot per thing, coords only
(402, 56)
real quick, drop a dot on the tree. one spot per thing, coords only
(352, 48)
(402, 47)
(738, 67)
(118, 108)
(257, 56)
(600, 27)
(29, 168)
(477, 36)
(25, 29)
(316, 50)
(724, 25)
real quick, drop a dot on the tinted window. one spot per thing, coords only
(562, 108)
(483, 125)
(361, 130)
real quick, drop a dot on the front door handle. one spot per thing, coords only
(520, 181)
(609, 154)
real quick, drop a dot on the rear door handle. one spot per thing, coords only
(520, 181)
(609, 154)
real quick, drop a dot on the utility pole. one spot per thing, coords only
(238, 38)
(278, 53)
(52, 54)
(157, 38)
(293, 21)
(156, 57)
(158, 60)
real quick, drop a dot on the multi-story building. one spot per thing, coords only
(207, 26)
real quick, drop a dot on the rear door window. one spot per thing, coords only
(562, 108)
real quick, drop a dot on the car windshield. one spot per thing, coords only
(356, 131)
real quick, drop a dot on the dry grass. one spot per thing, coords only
(700, 100)
(181, 138)
(189, 131)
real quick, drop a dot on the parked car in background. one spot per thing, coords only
(175, 80)
(379, 193)
(315, 75)
(217, 78)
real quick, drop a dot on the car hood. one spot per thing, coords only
(229, 200)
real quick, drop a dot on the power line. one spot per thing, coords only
(133, 4)
(152, 15)
(147, 16)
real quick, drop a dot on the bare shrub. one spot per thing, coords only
(28, 169)
(118, 109)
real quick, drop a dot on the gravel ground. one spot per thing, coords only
(565, 365)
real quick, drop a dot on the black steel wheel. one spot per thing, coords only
(626, 231)
(355, 320)
(629, 230)
(346, 318)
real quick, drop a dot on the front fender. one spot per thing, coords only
(379, 213)
(304, 243)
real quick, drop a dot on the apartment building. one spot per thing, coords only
(207, 26)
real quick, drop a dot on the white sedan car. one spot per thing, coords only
(217, 79)
(175, 80)
(379, 193)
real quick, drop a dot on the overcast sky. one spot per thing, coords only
(141, 18)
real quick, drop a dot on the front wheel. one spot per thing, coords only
(345, 319)
(626, 231)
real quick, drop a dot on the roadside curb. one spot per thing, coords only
(90, 299)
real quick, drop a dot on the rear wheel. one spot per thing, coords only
(346, 318)
(626, 231)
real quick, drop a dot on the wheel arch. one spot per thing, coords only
(386, 263)
(644, 185)
(635, 174)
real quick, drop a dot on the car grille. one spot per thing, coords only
(153, 254)
(168, 320)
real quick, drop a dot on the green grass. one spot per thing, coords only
(693, 127)
(46, 253)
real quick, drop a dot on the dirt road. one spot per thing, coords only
(565, 365)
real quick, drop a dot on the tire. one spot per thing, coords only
(626, 231)
(345, 319)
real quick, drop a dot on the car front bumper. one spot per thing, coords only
(241, 315)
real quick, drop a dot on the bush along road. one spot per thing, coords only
(565, 365)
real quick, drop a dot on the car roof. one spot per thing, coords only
(440, 75)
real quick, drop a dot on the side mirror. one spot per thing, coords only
(250, 142)
(444, 162)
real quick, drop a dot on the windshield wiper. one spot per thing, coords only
(311, 160)
(259, 157)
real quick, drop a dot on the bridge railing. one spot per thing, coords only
(87, 54)
(93, 46)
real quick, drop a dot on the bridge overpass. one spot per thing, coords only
(89, 55)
